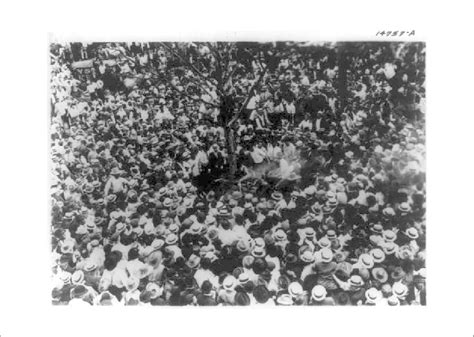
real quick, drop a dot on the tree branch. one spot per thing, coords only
(183, 59)
(158, 76)
(249, 96)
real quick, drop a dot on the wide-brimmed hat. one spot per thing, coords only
(377, 228)
(389, 235)
(229, 282)
(400, 290)
(77, 277)
(258, 251)
(390, 248)
(309, 232)
(173, 228)
(224, 213)
(243, 277)
(171, 239)
(277, 196)
(157, 244)
(116, 171)
(412, 233)
(259, 242)
(326, 255)
(90, 266)
(378, 255)
(331, 234)
(295, 289)
(393, 301)
(120, 227)
(366, 261)
(324, 242)
(307, 256)
(318, 293)
(279, 235)
(236, 195)
(356, 281)
(372, 296)
(195, 228)
(162, 191)
(285, 299)
(380, 274)
(388, 211)
(327, 209)
(404, 207)
(332, 203)
(167, 202)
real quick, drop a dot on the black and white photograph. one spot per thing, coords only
(300, 168)
(277, 173)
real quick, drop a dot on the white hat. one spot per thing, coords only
(280, 235)
(307, 257)
(399, 289)
(229, 282)
(258, 251)
(318, 293)
(378, 255)
(389, 235)
(244, 278)
(390, 248)
(326, 255)
(77, 277)
(171, 239)
(155, 290)
(366, 261)
(324, 242)
(157, 244)
(372, 296)
(393, 301)
(195, 228)
(404, 207)
(285, 299)
(412, 233)
(295, 289)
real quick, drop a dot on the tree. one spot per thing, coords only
(212, 67)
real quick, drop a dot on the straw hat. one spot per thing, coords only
(318, 293)
(400, 290)
(366, 261)
(412, 233)
(372, 296)
(378, 255)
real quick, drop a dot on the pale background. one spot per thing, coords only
(25, 291)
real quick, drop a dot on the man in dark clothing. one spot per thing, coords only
(206, 297)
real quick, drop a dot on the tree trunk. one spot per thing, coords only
(230, 143)
(342, 78)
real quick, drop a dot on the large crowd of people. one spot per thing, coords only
(143, 210)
